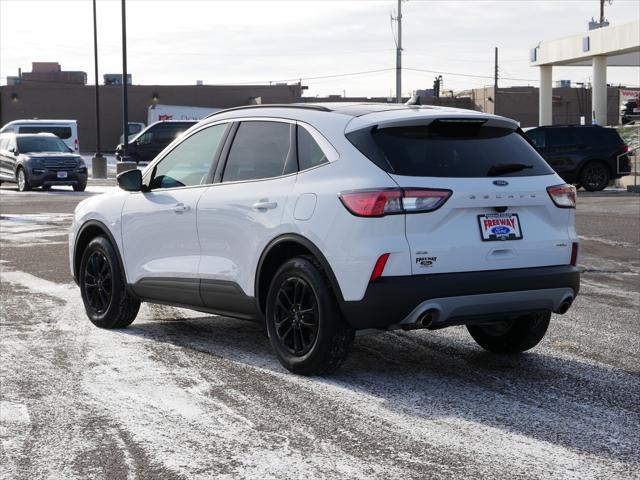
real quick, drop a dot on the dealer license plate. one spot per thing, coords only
(62, 174)
(499, 226)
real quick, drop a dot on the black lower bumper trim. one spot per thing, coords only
(389, 300)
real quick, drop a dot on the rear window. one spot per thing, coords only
(60, 132)
(450, 149)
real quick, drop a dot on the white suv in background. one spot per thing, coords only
(65, 130)
(322, 220)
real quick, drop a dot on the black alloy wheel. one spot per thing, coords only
(306, 328)
(296, 316)
(103, 287)
(98, 282)
(595, 176)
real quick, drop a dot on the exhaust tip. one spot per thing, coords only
(428, 317)
(564, 306)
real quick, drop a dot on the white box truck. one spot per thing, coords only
(158, 113)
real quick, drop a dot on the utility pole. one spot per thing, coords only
(601, 12)
(125, 103)
(495, 83)
(399, 55)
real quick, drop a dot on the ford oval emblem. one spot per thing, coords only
(501, 230)
(500, 183)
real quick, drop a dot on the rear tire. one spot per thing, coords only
(22, 179)
(512, 336)
(305, 326)
(595, 176)
(103, 288)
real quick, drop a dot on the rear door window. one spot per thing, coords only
(562, 138)
(450, 149)
(260, 150)
(59, 131)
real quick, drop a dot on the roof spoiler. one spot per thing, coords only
(414, 122)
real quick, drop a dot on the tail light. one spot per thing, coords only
(381, 202)
(625, 148)
(574, 254)
(564, 196)
(75, 144)
(379, 267)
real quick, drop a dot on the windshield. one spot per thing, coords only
(41, 144)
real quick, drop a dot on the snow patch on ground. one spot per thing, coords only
(35, 229)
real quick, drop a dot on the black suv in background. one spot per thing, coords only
(40, 160)
(153, 139)
(586, 155)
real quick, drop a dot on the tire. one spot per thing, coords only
(595, 176)
(316, 339)
(80, 187)
(46, 188)
(512, 336)
(22, 179)
(103, 288)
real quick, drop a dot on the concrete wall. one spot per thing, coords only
(521, 104)
(78, 103)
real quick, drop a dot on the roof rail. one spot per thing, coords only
(273, 105)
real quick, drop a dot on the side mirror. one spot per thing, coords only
(131, 180)
(14, 150)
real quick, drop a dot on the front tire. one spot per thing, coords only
(595, 176)
(103, 288)
(305, 326)
(511, 336)
(80, 187)
(22, 179)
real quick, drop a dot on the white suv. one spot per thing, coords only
(324, 220)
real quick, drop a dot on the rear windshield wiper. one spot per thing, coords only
(503, 168)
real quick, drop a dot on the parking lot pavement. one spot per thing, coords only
(181, 394)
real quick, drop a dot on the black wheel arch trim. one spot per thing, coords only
(309, 245)
(112, 240)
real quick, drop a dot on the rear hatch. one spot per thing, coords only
(498, 214)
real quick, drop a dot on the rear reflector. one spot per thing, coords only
(379, 268)
(564, 196)
(574, 254)
(377, 203)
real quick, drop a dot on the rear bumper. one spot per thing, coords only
(458, 298)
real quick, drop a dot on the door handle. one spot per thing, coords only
(264, 205)
(180, 208)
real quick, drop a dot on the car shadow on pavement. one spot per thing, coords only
(581, 406)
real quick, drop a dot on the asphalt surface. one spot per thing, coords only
(180, 394)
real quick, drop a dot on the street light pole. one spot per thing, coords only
(98, 162)
(125, 104)
(399, 55)
(95, 60)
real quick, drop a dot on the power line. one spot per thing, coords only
(456, 74)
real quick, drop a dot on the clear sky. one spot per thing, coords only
(180, 41)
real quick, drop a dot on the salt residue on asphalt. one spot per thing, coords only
(202, 404)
